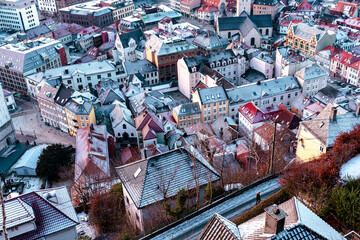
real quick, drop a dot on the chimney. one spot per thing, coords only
(333, 114)
(274, 220)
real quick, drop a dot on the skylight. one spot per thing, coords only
(137, 172)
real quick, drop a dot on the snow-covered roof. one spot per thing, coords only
(92, 155)
(297, 213)
(351, 169)
(30, 157)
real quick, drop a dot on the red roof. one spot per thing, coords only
(241, 150)
(287, 118)
(305, 6)
(314, 108)
(214, 3)
(353, 22)
(287, 23)
(208, 8)
(254, 115)
(149, 124)
(166, 19)
(265, 132)
(340, 7)
(347, 59)
(333, 50)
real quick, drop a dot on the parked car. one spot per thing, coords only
(357, 90)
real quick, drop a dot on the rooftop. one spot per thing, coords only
(174, 167)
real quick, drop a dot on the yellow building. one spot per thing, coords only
(308, 39)
(317, 136)
(79, 114)
(213, 103)
(187, 114)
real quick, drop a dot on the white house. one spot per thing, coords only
(263, 94)
(126, 44)
(122, 123)
(263, 63)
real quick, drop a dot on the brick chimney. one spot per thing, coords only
(274, 220)
(333, 113)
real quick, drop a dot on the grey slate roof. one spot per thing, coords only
(241, 23)
(271, 87)
(49, 219)
(262, 20)
(305, 31)
(110, 95)
(61, 201)
(28, 56)
(143, 66)
(298, 232)
(145, 180)
(137, 35)
(211, 95)
(187, 109)
(79, 106)
(37, 31)
(210, 41)
(266, 2)
(161, 47)
(253, 75)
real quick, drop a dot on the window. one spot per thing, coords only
(98, 76)
(109, 75)
(124, 126)
(289, 95)
(82, 125)
(321, 148)
(282, 97)
(86, 118)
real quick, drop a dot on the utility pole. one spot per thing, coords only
(271, 163)
(2, 202)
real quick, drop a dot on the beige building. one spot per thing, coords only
(312, 79)
(213, 102)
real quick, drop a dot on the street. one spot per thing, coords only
(28, 126)
(229, 209)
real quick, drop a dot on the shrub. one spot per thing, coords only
(344, 203)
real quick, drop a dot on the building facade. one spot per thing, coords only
(312, 79)
(18, 15)
(22, 59)
(308, 39)
(164, 54)
(213, 102)
(7, 132)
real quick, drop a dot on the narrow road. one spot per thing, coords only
(229, 209)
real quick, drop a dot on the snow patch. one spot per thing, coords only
(351, 169)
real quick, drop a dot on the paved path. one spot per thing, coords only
(229, 209)
(28, 123)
